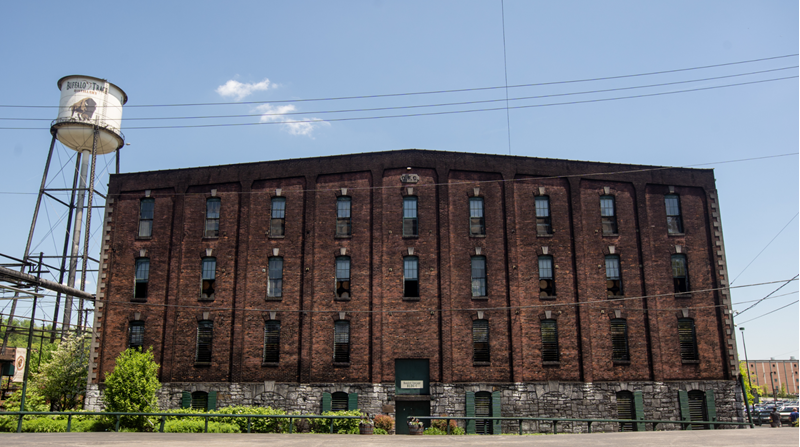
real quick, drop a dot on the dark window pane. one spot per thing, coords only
(480, 341)
(478, 276)
(477, 225)
(543, 223)
(341, 342)
(275, 278)
(212, 217)
(410, 223)
(343, 277)
(142, 278)
(272, 341)
(680, 275)
(625, 409)
(619, 340)
(200, 400)
(343, 223)
(278, 217)
(205, 338)
(674, 221)
(339, 401)
(687, 339)
(410, 277)
(136, 334)
(613, 276)
(547, 284)
(209, 278)
(549, 341)
(608, 215)
(146, 211)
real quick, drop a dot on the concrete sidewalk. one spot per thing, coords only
(783, 437)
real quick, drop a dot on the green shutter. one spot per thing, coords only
(470, 412)
(711, 408)
(326, 402)
(497, 427)
(352, 401)
(683, 399)
(186, 400)
(212, 401)
(638, 408)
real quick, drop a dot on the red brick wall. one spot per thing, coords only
(438, 326)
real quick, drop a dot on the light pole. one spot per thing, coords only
(747, 362)
(774, 396)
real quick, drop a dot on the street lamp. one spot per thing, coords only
(747, 362)
(774, 396)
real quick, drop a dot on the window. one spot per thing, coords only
(619, 340)
(410, 276)
(212, 217)
(275, 278)
(343, 223)
(146, 208)
(477, 224)
(205, 337)
(341, 342)
(136, 335)
(200, 400)
(608, 215)
(549, 341)
(343, 277)
(410, 222)
(674, 221)
(613, 276)
(142, 277)
(688, 340)
(277, 217)
(209, 280)
(480, 341)
(543, 224)
(547, 285)
(680, 275)
(339, 401)
(478, 276)
(483, 407)
(272, 341)
(625, 410)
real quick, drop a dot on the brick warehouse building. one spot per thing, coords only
(423, 282)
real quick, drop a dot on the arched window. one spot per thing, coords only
(477, 222)
(688, 340)
(272, 341)
(550, 341)
(343, 221)
(625, 410)
(483, 407)
(341, 341)
(205, 340)
(674, 220)
(547, 283)
(697, 408)
(619, 340)
(613, 276)
(136, 334)
(277, 217)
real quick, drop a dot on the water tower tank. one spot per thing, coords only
(88, 102)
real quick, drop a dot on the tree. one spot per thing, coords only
(748, 392)
(61, 378)
(131, 387)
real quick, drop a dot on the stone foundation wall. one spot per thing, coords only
(541, 399)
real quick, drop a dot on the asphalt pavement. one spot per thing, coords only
(773, 437)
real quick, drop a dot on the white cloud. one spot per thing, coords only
(240, 91)
(294, 124)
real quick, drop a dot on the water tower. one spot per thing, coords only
(88, 122)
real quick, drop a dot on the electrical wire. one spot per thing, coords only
(765, 247)
(762, 299)
(764, 315)
(703, 67)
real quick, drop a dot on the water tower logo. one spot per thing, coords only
(84, 108)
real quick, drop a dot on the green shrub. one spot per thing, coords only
(131, 387)
(384, 422)
(257, 425)
(379, 431)
(340, 426)
(441, 428)
(194, 426)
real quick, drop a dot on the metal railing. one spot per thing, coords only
(687, 424)
(164, 416)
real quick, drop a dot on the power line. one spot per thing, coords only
(703, 67)
(764, 315)
(449, 104)
(762, 299)
(765, 247)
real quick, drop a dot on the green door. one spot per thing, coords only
(412, 376)
(406, 408)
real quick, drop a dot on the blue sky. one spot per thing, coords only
(211, 52)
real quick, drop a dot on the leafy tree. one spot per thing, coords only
(61, 377)
(748, 392)
(131, 387)
(782, 393)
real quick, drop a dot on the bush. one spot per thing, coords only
(384, 422)
(131, 387)
(439, 427)
(257, 425)
(62, 376)
(379, 431)
(340, 426)
(195, 426)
